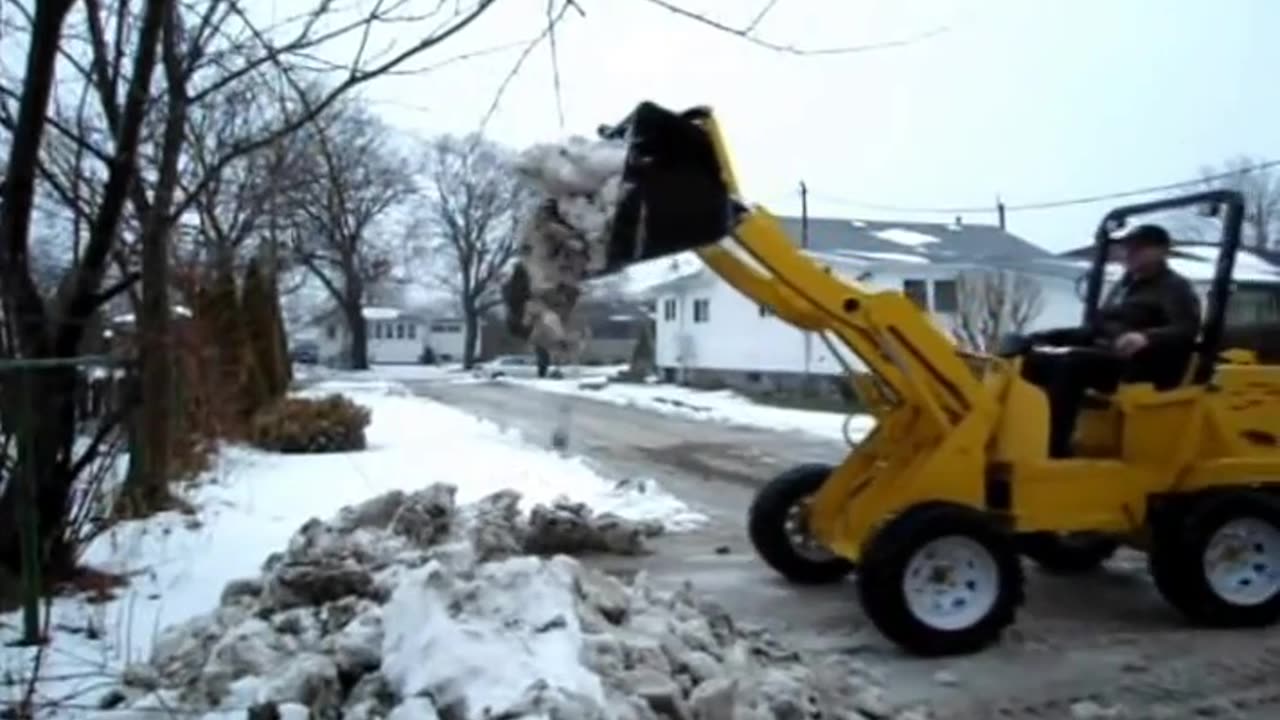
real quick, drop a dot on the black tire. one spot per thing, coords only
(889, 554)
(1178, 553)
(767, 527)
(1068, 554)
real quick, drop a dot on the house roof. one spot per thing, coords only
(876, 240)
(866, 242)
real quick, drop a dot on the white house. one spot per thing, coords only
(394, 335)
(708, 333)
(446, 337)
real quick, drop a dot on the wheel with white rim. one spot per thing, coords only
(1219, 563)
(778, 525)
(941, 579)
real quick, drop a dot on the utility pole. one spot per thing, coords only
(804, 244)
(804, 215)
(1000, 211)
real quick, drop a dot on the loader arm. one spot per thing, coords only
(896, 340)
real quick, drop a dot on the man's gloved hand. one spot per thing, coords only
(1131, 343)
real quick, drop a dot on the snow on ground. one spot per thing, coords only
(250, 503)
(723, 406)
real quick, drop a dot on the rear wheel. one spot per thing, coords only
(941, 579)
(1067, 553)
(778, 526)
(1219, 563)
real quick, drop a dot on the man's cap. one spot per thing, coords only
(1146, 236)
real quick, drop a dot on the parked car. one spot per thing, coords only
(306, 353)
(514, 366)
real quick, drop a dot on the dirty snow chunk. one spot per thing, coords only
(496, 526)
(357, 648)
(902, 236)
(425, 516)
(299, 584)
(571, 528)
(477, 643)
(310, 679)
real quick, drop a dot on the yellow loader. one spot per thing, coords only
(936, 506)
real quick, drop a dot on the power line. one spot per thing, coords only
(747, 33)
(1051, 204)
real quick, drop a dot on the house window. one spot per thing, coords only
(917, 291)
(331, 332)
(946, 296)
(669, 309)
(377, 331)
(400, 331)
(701, 310)
(446, 328)
(413, 331)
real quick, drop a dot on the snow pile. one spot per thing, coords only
(410, 607)
(565, 241)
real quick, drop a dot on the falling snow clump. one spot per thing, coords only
(564, 241)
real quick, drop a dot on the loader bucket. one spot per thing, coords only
(675, 197)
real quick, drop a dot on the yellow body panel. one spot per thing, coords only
(952, 427)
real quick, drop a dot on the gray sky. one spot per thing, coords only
(1032, 99)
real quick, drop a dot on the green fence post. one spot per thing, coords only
(29, 533)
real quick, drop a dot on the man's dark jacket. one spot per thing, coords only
(1162, 306)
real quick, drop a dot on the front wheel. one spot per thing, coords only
(778, 526)
(941, 579)
(1219, 564)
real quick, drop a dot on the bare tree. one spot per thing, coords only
(112, 150)
(994, 303)
(473, 205)
(1261, 190)
(346, 212)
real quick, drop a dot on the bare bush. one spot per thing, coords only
(994, 303)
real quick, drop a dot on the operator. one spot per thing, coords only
(1147, 329)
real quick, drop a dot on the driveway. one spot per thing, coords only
(1106, 638)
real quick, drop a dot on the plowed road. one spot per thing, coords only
(1106, 637)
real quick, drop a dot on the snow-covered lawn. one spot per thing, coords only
(717, 406)
(251, 502)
